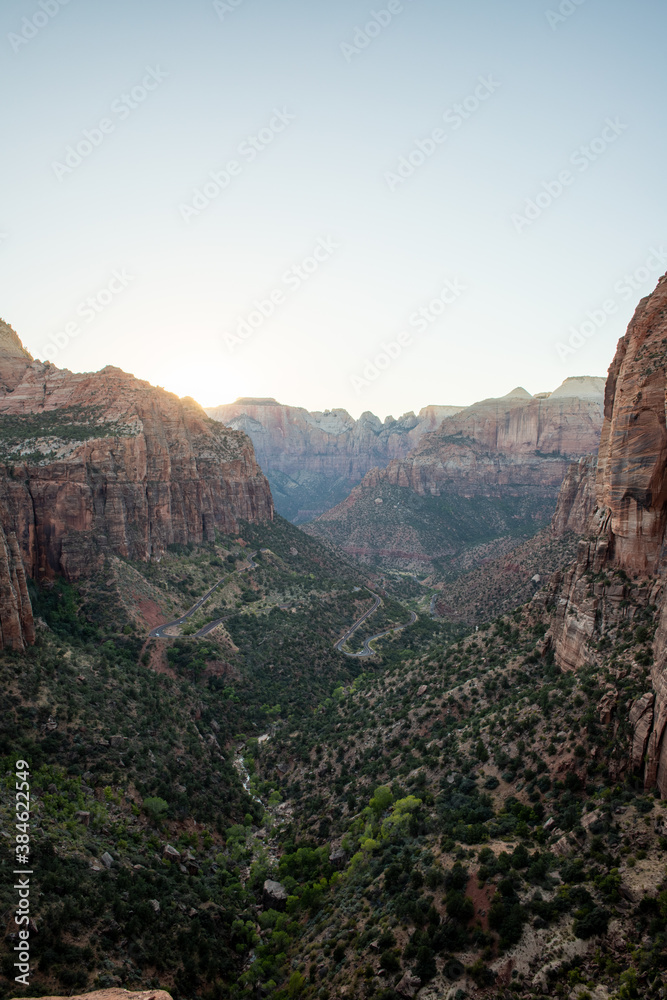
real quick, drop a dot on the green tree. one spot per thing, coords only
(155, 808)
(382, 799)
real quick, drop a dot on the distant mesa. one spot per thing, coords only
(505, 457)
(313, 459)
(256, 401)
(581, 387)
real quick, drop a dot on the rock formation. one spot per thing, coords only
(314, 459)
(576, 498)
(16, 622)
(625, 543)
(102, 462)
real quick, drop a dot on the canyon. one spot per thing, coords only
(469, 773)
(313, 459)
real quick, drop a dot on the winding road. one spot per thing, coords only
(160, 632)
(366, 649)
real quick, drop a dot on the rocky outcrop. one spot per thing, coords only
(117, 994)
(626, 544)
(576, 498)
(102, 462)
(313, 459)
(274, 895)
(15, 358)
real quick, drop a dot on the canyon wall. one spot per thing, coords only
(493, 469)
(102, 462)
(518, 439)
(624, 551)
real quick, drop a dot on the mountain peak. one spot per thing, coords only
(518, 393)
(14, 359)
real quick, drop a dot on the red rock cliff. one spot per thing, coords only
(625, 549)
(103, 462)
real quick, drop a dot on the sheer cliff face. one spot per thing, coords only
(102, 462)
(632, 467)
(292, 440)
(624, 552)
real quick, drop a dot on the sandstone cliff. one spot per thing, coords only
(624, 551)
(515, 440)
(102, 462)
(313, 459)
(496, 468)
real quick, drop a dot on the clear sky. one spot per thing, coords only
(373, 160)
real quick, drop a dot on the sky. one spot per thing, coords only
(339, 203)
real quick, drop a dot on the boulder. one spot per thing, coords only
(409, 985)
(338, 858)
(275, 895)
(561, 847)
(106, 860)
(83, 817)
(170, 853)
